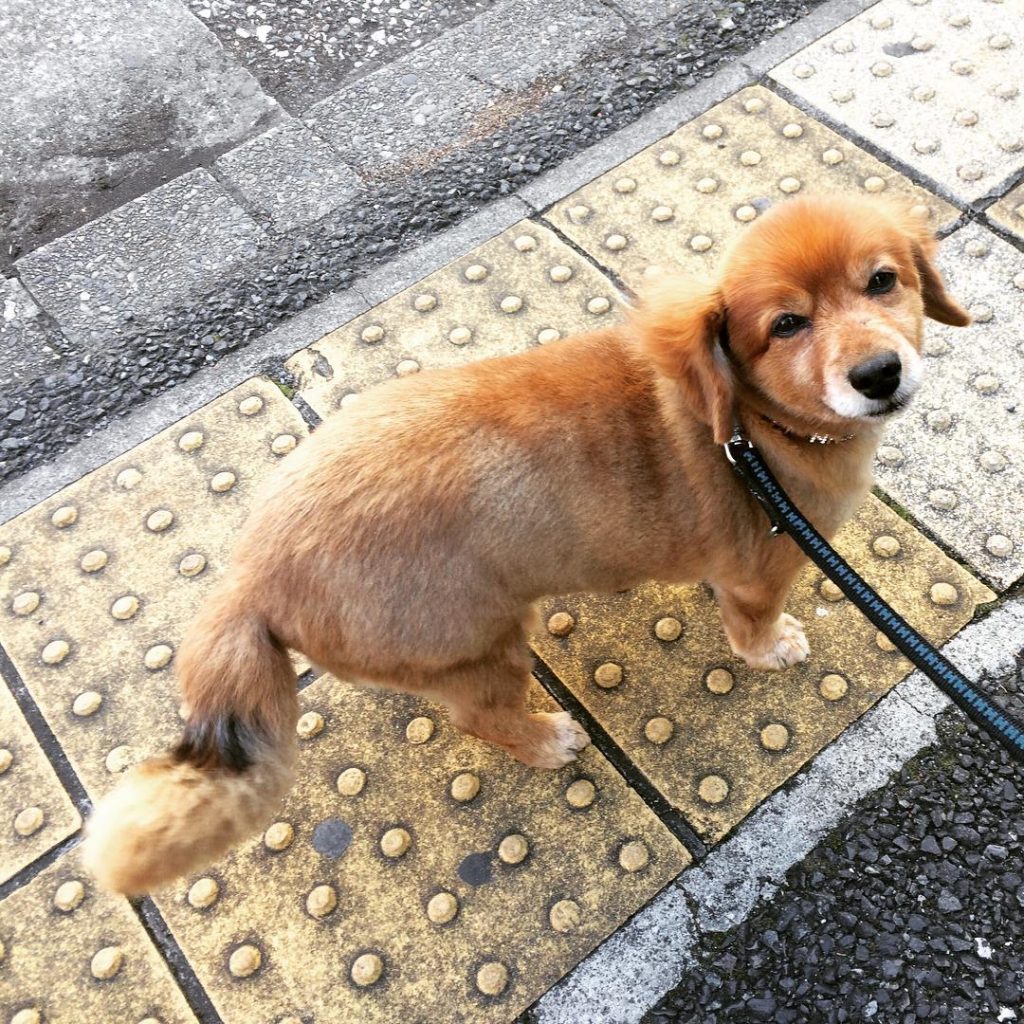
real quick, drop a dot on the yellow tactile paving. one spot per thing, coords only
(715, 738)
(98, 582)
(417, 875)
(679, 202)
(35, 811)
(1009, 211)
(70, 954)
(522, 288)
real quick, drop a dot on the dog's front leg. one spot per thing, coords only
(759, 631)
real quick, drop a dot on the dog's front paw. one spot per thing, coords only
(785, 646)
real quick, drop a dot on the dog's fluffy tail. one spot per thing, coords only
(176, 813)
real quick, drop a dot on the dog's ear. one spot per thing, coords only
(678, 323)
(938, 303)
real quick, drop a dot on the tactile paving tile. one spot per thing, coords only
(680, 202)
(35, 810)
(934, 82)
(955, 459)
(522, 288)
(416, 874)
(71, 954)
(1009, 211)
(98, 582)
(654, 668)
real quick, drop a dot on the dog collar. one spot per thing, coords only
(813, 439)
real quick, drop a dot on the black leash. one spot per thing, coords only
(785, 517)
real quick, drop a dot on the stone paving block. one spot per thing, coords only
(290, 175)
(70, 954)
(559, 36)
(29, 347)
(934, 82)
(110, 278)
(679, 202)
(522, 288)
(37, 813)
(714, 737)
(1009, 211)
(102, 100)
(955, 459)
(401, 117)
(417, 874)
(98, 582)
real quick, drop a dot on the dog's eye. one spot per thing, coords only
(882, 281)
(788, 324)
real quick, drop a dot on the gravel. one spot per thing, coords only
(394, 217)
(911, 911)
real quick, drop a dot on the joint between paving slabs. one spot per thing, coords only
(185, 978)
(672, 819)
(912, 174)
(950, 552)
(44, 736)
(540, 219)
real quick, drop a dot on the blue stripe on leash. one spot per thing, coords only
(786, 517)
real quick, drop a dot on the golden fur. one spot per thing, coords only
(404, 543)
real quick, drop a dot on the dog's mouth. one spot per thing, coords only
(890, 406)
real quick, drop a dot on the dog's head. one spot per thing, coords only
(815, 320)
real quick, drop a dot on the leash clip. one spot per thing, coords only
(734, 448)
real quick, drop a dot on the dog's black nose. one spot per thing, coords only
(877, 377)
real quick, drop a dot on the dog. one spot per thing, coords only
(404, 543)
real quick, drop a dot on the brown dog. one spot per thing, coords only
(404, 542)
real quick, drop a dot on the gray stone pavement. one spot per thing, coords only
(148, 292)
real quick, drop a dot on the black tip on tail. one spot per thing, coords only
(222, 742)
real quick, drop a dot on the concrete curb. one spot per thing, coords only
(265, 353)
(624, 978)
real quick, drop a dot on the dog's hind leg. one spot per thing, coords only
(487, 698)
